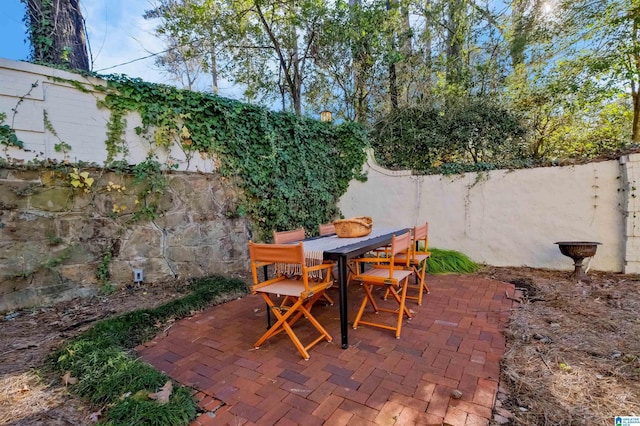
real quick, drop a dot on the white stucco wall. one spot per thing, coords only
(504, 218)
(33, 90)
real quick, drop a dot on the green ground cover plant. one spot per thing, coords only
(450, 261)
(100, 365)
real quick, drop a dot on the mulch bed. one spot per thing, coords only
(573, 353)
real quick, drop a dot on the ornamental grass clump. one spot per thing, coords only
(101, 365)
(450, 261)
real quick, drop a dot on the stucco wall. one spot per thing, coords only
(507, 218)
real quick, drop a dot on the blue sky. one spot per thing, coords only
(117, 34)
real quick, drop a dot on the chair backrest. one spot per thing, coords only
(421, 235)
(291, 254)
(399, 244)
(283, 237)
(271, 253)
(326, 229)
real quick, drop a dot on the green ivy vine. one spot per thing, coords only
(293, 169)
(8, 135)
(40, 33)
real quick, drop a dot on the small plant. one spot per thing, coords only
(80, 179)
(115, 187)
(118, 209)
(103, 273)
(63, 148)
(450, 261)
(54, 240)
(57, 260)
(8, 136)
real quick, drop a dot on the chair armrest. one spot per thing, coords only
(376, 260)
(267, 283)
(320, 267)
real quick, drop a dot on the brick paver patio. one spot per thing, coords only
(454, 342)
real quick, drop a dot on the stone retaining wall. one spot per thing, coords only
(54, 238)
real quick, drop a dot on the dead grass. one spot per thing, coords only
(26, 396)
(573, 348)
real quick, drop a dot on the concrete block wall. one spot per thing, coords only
(29, 93)
(631, 212)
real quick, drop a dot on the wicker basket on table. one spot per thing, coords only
(353, 227)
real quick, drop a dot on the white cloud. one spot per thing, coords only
(119, 34)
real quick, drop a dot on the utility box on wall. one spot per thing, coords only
(138, 276)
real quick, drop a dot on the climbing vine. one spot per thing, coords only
(40, 34)
(292, 169)
(8, 136)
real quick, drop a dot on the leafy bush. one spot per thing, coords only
(473, 131)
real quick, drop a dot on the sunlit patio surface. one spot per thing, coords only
(454, 342)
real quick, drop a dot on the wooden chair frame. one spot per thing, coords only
(283, 237)
(303, 292)
(294, 235)
(326, 229)
(418, 261)
(385, 272)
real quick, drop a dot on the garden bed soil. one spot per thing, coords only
(573, 355)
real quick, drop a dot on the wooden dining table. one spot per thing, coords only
(340, 250)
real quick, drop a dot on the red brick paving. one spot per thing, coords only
(454, 341)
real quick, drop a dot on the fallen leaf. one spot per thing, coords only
(95, 416)
(162, 396)
(68, 380)
(25, 388)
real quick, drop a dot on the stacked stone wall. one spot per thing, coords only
(57, 240)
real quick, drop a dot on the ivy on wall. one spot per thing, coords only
(292, 169)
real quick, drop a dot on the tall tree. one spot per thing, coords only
(280, 33)
(456, 34)
(604, 39)
(349, 59)
(57, 33)
(194, 31)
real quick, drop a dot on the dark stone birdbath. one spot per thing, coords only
(578, 251)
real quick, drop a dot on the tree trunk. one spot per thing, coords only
(455, 39)
(428, 41)
(636, 118)
(635, 84)
(57, 33)
(214, 70)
